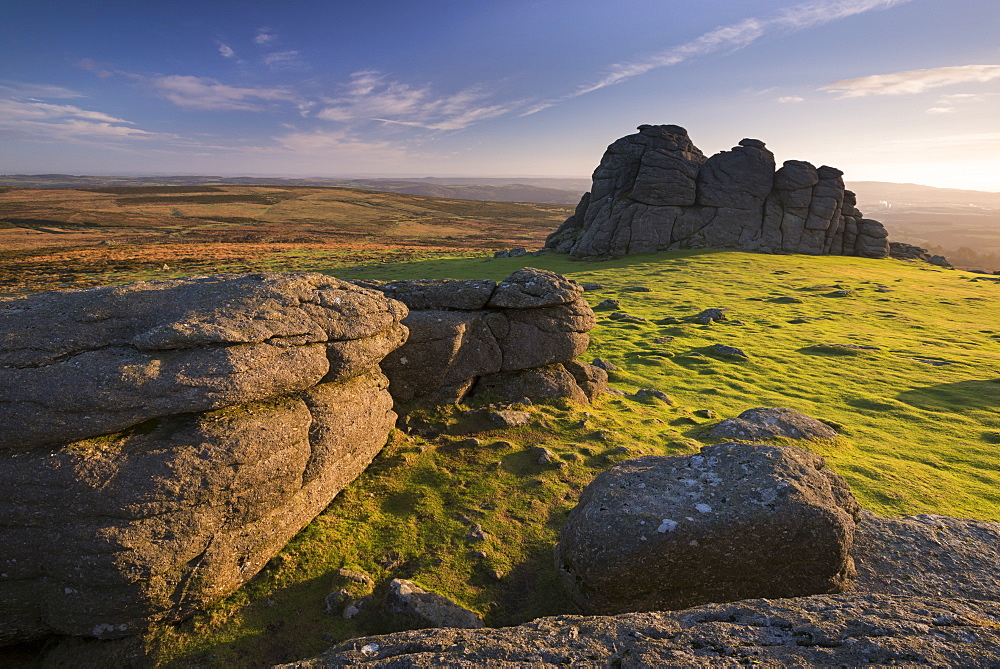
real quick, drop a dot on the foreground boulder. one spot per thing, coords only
(656, 191)
(736, 521)
(825, 630)
(81, 363)
(926, 594)
(506, 340)
(162, 440)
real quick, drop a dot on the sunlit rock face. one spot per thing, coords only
(162, 440)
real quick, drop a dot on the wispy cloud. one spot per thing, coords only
(955, 102)
(371, 96)
(335, 141)
(912, 81)
(93, 66)
(731, 37)
(725, 39)
(264, 37)
(282, 59)
(191, 92)
(790, 99)
(12, 108)
(31, 119)
(963, 97)
(226, 51)
(41, 91)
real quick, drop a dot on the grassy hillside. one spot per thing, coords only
(74, 238)
(918, 414)
(30, 218)
(919, 425)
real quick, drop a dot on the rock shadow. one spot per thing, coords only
(978, 394)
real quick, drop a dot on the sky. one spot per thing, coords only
(887, 90)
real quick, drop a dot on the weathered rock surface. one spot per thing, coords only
(81, 363)
(926, 593)
(826, 630)
(574, 380)
(903, 251)
(734, 522)
(510, 339)
(927, 556)
(192, 428)
(656, 191)
(770, 422)
(428, 609)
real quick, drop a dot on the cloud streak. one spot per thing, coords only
(726, 39)
(371, 96)
(190, 92)
(32, 119)
(37, 90)
(326, 142)
(282, 59)
(912, 81)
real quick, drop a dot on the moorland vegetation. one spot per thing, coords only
(902, 357)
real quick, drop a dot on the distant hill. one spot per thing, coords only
(964, 225)
(911, 195)
(515, 192)
(537, 190)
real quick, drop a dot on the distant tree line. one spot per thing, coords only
(967, 258)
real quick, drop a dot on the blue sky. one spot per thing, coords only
(892, 90)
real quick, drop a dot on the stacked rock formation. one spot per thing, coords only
(513, 339)
(656, 191)
(160, 441)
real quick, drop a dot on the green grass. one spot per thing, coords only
(915, 437)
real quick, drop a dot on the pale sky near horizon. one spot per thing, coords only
(887, 90)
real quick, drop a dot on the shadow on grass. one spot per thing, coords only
(980, 394)
(835, 350)
(531, 589)
(482, 267)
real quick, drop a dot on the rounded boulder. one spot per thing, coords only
(736, 521)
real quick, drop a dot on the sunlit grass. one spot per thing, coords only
(914, 437)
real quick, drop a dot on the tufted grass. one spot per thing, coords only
(914, 437)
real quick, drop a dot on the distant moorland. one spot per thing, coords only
(963, 225)
(550, 190)
(73, 238)
(902, 357)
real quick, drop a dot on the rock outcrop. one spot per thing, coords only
(827, 630)
(160, 441)
(735, 522)
(765, 423)
(903, 251)
(511, 339)
(656, 191)
(926, 593)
